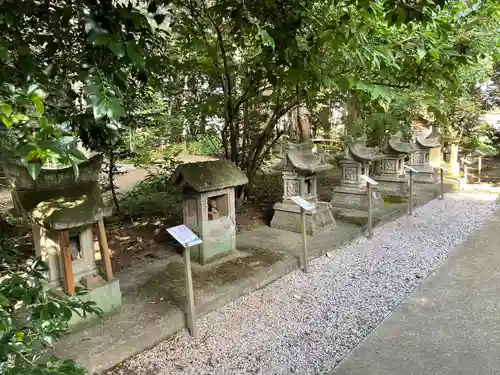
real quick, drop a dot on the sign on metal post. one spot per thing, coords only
(187, 238)
(410, 200)
(304, 206)
(369, 184)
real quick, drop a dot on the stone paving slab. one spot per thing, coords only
(153, 296)
(449, 325)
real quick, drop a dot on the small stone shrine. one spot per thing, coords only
(209, 205)
(298, 168)
(420, 159)
(63, 211)
(352, 192)
(393, 178)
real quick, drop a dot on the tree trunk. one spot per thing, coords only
(111, 180)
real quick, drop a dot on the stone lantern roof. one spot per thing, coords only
(55, 200)
(427, 141)
(64, 208)
(300, 157)
(209, 176)
(360, 152)
(396, 145)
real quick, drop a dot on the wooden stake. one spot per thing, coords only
(103, 246)
(69, 279)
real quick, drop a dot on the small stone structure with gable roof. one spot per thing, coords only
(209, 205)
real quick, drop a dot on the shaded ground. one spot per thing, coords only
(143, 240)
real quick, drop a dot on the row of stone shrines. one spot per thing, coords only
(300, 166)
(63, 211)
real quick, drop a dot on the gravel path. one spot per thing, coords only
(305, 324)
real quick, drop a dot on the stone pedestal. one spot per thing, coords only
(352, 193)
(454, 163)
(435, 157)
(287, 213)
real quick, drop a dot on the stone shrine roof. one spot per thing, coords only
(50, 178)
(360, 152)
(427, 141)
(395, 144)
(209, 175)
(63, 208)
(302, 158)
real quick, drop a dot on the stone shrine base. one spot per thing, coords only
(154, 296)
(353, 198)
(107, 296)
(287, 217)
(426, 175)
(393, 185)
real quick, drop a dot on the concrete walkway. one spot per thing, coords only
(449, 325)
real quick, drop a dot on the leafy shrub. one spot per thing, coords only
(155, 196)
(208, 145)
(32, 317)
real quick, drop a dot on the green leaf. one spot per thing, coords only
(77, 154)
(6, 109)
(117, 48)
(34, 170)
(38, 104)
(3, 300)
(76, 169)
(267, 40)
(134, 53)
(6, 121)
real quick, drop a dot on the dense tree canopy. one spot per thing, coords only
(232, 67)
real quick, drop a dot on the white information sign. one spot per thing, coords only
(411, 169)
(184, 236)
(299, 201)
(443, 168)
(368, 179)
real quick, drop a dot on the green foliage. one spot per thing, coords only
(207, 145)
(77, 65)
(32, 318)
(154, 197)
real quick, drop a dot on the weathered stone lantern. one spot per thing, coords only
(209, 205)
(393, 178)
(420, 159)
(63, 211)
(451, 155)
(298, 168)
(352, 192)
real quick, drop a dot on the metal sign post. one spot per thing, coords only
(410, 200)
(187, 238)
(442, 169)
(369, 184)
(304, 206)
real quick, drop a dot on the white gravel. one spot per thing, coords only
(306, 323)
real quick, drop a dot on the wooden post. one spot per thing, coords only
(103, 246)
(191, 313)
(69, 279)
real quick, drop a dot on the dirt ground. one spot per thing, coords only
(134, 242)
